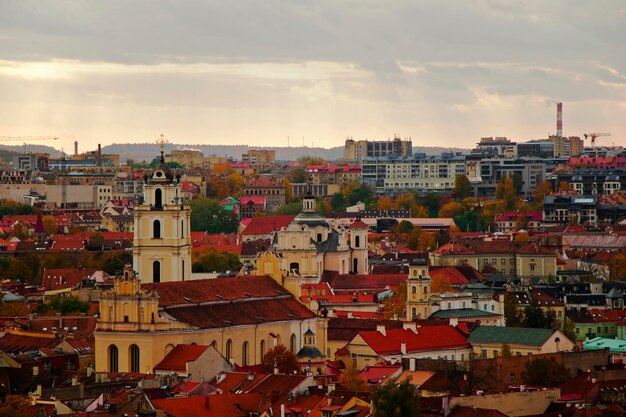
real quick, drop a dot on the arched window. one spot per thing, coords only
(292, 343)
(158, 198)
(414, 312)
(113, 358)
(413, 289)
(182, 228)
(262, 347)
(356, 266)
(156, 271)
(294, 267)
(319, 237)
(357, 241)
(229, 349)
(156, 229)
(133, 354)
(244, 354)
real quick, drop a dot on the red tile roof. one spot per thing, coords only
(221, 405)
(366, 282)
(358, 224)
(253, 200)
(265, 225)
(176, 360)
(451, 274)
(67, 245)
(379, 373)
(19, 343)
(54, 279)
(219, 289)
(427, 338)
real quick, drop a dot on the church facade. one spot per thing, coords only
(308, 246)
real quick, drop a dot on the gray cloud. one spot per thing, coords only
(439, 71)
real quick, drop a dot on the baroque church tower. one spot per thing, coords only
(162, 243)
(418, 291)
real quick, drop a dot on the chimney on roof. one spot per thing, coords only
(410, 325)
(381, 329)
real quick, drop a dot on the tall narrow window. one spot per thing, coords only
(158, 198)
(357, 241)
(182, 228)
(262, 346)
(113, 358)
(356, 266)
(292, 343)
(244, 354)
(229, 349)
(156, 271)
(133, 354)
(183, 273)
(156, 229)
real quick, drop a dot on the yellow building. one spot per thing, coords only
(241, 317)
(418, 291)
(487, 341)
(308, 246)
(162, 244)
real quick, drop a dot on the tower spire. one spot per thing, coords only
(162, 142)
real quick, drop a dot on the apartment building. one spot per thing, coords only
(419, 172)
(361, 149)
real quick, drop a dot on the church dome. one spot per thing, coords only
(162, 171)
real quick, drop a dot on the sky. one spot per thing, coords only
(442, 72)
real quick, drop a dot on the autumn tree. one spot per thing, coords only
(545, 373)
(564, 186)
(13, 309)
(65, 306)
(617, 267)
(521, 222)
(14, 406)
(541, 190)
(396, 400)
(299, 176)
(281, 358)
(385, 203)
(505, 351)
(50, 225)
(462, 187)
(20, 231)
(352, 381)
(395, 305)
(451, 209)
(506, 190)
(440, 283)
(221, 169)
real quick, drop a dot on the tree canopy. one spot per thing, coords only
(208, 215)
(396, 400)
(545, 373)
(462, 187)
(282, 358)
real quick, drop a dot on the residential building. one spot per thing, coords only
(498, 146)
(487, 341)
(592, 182)
(334, 174)
(259, 159)
(359, 150)
(251, 206)
(418, 172)
(412, 341)
(567, 209)
(510, 258)
(486, 173)
(301, 189)
(533, 149)
(529, 221)
(263, 186)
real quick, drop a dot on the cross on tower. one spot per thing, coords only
(162, 142)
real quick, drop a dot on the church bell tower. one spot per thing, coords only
(162, 243)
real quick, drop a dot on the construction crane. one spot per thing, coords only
(593, 137)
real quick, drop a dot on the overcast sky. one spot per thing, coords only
(444, 73)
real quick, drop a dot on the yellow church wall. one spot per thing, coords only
(154, 346)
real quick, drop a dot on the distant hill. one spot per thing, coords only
(21, 149)
(148, 151)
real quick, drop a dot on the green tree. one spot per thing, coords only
(569, 329)
(396, 400)
(208, 215)
(299, 176)
(462, 187)
(511, 313)
(212, 260)
(536, 318)
(518, 182)
(545, 373)
(282, 358)
(360, 193)
(338, 202)
(57, 260)
(404, 226)
(65, 306)
(291, 208)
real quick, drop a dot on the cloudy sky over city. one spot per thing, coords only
(241, 72)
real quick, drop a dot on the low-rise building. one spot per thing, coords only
(487, 341)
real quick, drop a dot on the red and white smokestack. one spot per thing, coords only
(559, 119)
